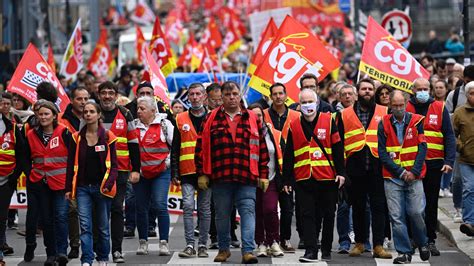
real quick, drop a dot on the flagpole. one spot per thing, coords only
(174, 80)
(247, 71)
(212, 70)
(219, 62)
(207, 72)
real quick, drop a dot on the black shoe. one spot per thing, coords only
(402, 259)
(29, 252)
(62, 260)
(326, 256)
(235, 243)
(214, 245)
(467, 229)
(7, 250)
(424, 253)
(129, 233)
(309, 256)
(301, 244)
(433, 249)
(73, 253)
(50, 261)
(152, 233)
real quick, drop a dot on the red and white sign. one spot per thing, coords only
(102, 62)
(398, 24)
(73, 59)
(31, 71)
(160, 50)
(385, 59)
(157, 80)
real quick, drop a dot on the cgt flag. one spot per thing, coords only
(212, 34)
(293, 52)
(160, 50)
(102, 62)
(32, 70)
(141, 45)
(73, 59)
(157, 80)
(385, 59)
(265, 41)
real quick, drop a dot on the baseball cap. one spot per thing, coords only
(450, 61)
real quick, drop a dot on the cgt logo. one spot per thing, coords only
(159, 51)
(387, 50)
(287, 59)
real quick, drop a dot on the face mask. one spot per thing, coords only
(398, 113)
(422, 96)
(195, 108)
(308, 108)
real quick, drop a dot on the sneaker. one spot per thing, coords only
(29, 252)
(222, 256)
(457, 218)
(142, 247)
(262, 250)
(62, 260)
(275, 250)
(326, 256)
(357, 250)
(402, 259)
(117, 257)
(164, 248)
(309, 256)
(202, 252)
(50, 261)
(380, 252)
(352, 237)
(152, 233)
(73, 253)
(448, 193)
(7, 250)
(235, 243)
(86, 264)
(102, 263)
(287, 247)
(128, 233)
(249, 258)
(301, 244)
(21, 233)
(188, 252)
(342, 250)
(214, 245)
(467, 229)
(387, 243)
(12, 226)
(441, 193)
(433, 249)
(424, 253)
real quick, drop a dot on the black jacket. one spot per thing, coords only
(20, 149)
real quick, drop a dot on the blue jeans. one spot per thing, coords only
(88, 198)
(403, 200)
(446, 180)
(225, 196)
(457, 185)
(154, 191)
(204, 212)
(130, 212)
(344, 225)
(61, 225)
(467, 174)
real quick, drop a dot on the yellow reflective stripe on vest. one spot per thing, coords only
(122, 153)
(394, 149)
(435, 146)
(186, 157)
(6, 162)
(408, 163)
(371, 132)
(8, 152)
(430, 133)
(409, 150)
(188, 144)
(353, 145)
(122, 139)
(353, 133)
(312, 163)
(372, 144)
(311, 150)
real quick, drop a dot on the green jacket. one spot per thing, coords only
(464, 131)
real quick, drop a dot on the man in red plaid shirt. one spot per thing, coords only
(232, 154)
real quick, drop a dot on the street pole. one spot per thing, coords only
(465, 12)
(94, 20)
(356, 23)
(68, 19)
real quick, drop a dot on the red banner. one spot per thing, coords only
(157, 80)
(102, 62)
(209, 61)
(212, 35)
(73, 59)
(385, 59)
(312, 18)
(51, 61)
(160, 50)
(293, 52)
(265, 41)
(31, 71)
(231, 42)
(141, 44)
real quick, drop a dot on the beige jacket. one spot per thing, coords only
(463, 124)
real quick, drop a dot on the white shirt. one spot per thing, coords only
(2, 125)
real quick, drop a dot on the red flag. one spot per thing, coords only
(385, 59)
(141, 44)
(212, 35)
(73, 57)
(102, 61)
(51, 62)
(293, 52)
(160, 50)
(209, 60)
(31, 71)
(143, 14)
(265, 40)
(174, 26)
(185, 58)
(157, 80)
(229, 18)
(231, 42)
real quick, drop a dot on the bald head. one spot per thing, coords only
(421, 84)
(308, 96)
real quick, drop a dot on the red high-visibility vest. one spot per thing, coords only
(120, 129)
(188, 144)
(292, 115)
(49, 161)
(7, 153)
(356, 136)
(310, 161)
(153, 152)
(432, 126)
(277, 135)
(403, 155)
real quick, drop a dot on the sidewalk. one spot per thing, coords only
(451, 230)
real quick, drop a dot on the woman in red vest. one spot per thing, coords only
(91, 175)
(267, 235)
(46, 171)
(155, 138)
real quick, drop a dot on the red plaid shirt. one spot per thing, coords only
(231, 160)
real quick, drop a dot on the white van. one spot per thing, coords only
(127, 45)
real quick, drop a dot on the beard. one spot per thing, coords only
(367, 103)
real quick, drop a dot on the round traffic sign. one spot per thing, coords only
(398, 23)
